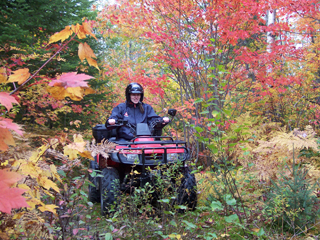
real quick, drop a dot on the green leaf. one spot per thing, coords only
(216, 205)
(164, 200)
(230, 200)
(62, 173)
(205, 112)
(261, 232)
(232, 218)
(198, 100)
(189, 224)
(108, 236)
(173, 223)
(198, 129)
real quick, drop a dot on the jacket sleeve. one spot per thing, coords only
(151, 115)
(116, 114)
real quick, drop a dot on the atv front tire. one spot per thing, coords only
(94, 192)
(187, 192)
(109, 189)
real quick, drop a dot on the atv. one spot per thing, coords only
(146, 151)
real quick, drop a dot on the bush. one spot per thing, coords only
(291, 202)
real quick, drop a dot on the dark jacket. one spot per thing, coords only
(132, 113)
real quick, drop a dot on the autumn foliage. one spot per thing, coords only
(243, 72)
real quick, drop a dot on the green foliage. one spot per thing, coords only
(291, 201)
(25, 23)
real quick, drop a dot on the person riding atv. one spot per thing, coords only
(137, 132)
(134, 111)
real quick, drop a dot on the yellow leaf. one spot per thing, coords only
(87, 29)
(62, 35)
(24, 186)
(72, 153)
(86, 154)
(49, 208)
(75, 93)
(31, 169)
(47, 183)
(3, 75)
(54, 172)
(36, 155)
(19, 76)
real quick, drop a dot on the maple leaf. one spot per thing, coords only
(7, 100)
(79, 30)
(8, 177)
(5, 135)
(3, 75)
(85, 52)
(62, 35)
(49, 208)
(10, 197)
(71, 79)
(47, 183)
(78, 146)
(87, 29)
(19, 76)
(9, 124)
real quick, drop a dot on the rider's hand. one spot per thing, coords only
(166, 120)
(111, 121)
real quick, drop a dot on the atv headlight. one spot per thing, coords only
(132, 158)
(171, 157)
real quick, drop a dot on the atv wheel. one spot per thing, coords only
(187, 192)
(109, 189)
(94, 192)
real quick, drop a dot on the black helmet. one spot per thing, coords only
(134, 88)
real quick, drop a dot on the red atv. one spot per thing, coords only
(147, 150)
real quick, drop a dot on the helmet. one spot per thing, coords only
(134, 88)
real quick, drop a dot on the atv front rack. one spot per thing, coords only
(148, 153)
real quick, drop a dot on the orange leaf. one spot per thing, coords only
(7, 100)
(87, 29)
(75, 93)
(19, 76)
(5, 135)
(85, 52)
(8, 178)
(6, 139)
(3, 75)
(79, 30)
(62, 35)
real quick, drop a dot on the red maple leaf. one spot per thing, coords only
(71, 79)
(7, 100)
(10, 197)
(9, 124)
